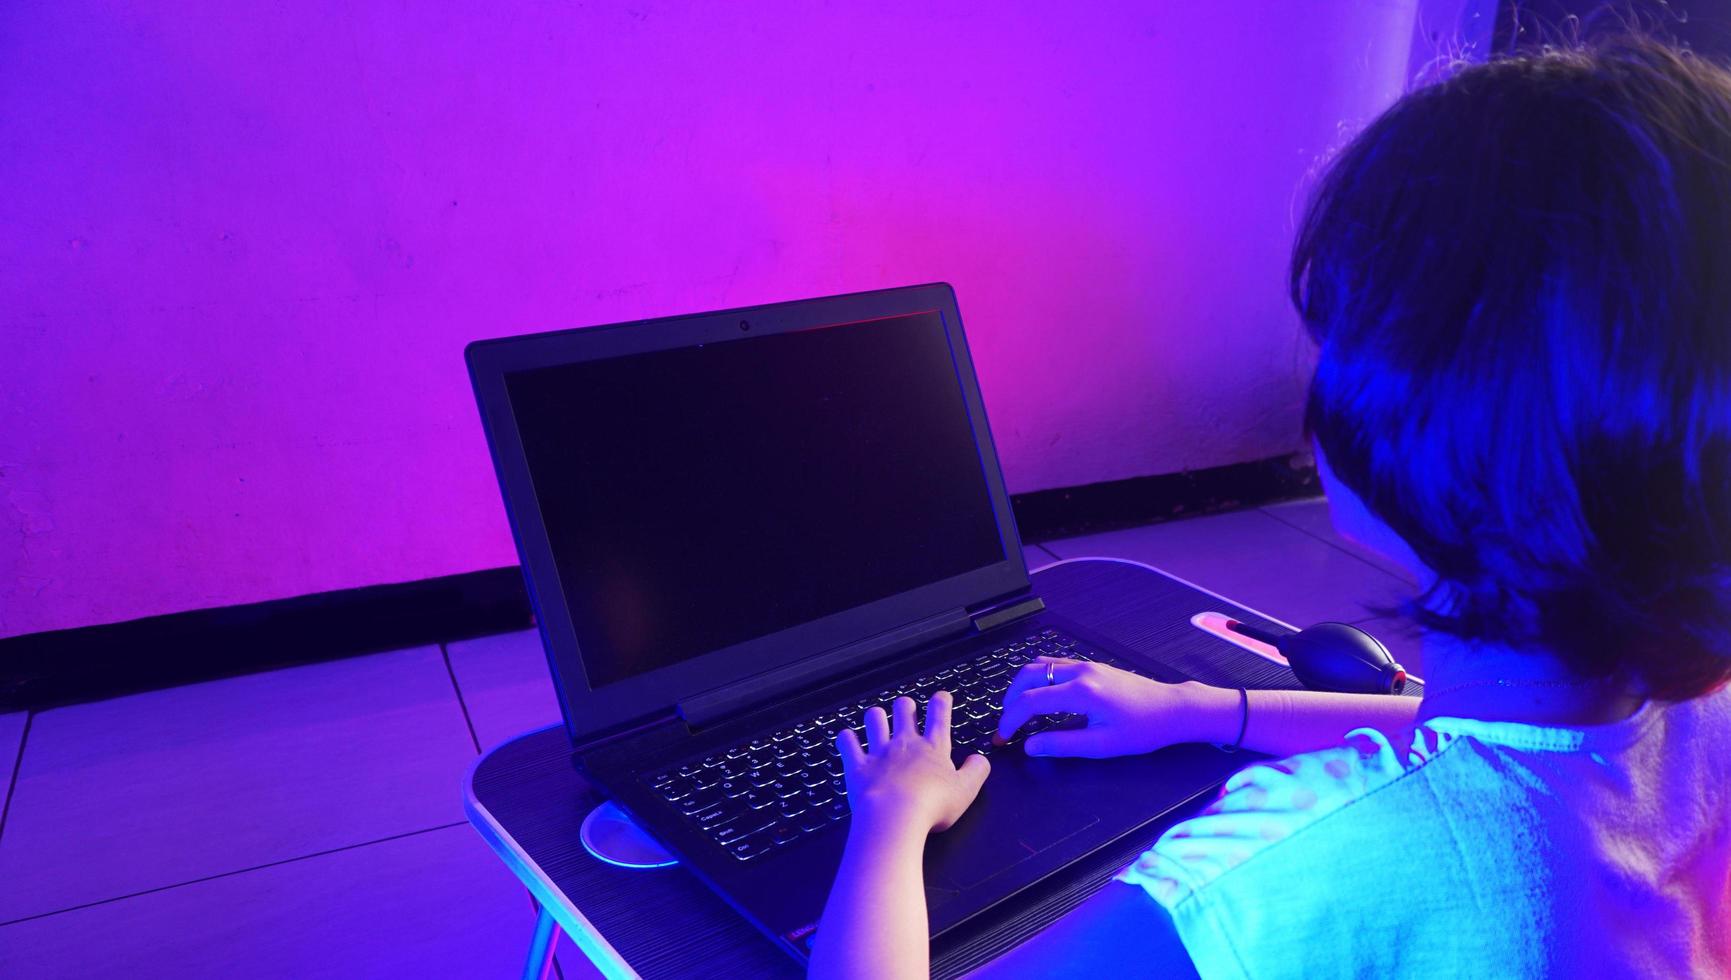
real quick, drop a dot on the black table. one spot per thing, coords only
(528, 803)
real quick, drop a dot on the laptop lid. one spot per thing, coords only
(702, 499)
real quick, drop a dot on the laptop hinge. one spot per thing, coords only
(703, 709)
(998, 615)
(629, 729)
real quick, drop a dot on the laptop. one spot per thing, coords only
(742, 529)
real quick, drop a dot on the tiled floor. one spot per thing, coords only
(307, 822)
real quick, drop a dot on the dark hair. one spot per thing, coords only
(1519, 279)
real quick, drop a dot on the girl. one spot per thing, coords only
(1519, 280)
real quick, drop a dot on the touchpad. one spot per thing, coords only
(1002, 835)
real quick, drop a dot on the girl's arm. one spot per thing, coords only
(874, 924)
(1129, 714)
(1291, 722)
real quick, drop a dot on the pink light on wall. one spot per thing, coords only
(245, 247)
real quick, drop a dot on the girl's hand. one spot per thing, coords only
(906, 780)
(1127, 713)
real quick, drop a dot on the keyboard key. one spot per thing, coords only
(743, 825)
(699, 801)
(749, 847)
(677, 789)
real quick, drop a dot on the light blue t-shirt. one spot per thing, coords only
(1466, 848)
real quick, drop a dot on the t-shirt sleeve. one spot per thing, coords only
(1266, 804)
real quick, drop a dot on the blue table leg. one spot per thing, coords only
(542, 945)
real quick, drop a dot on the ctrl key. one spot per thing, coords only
(747, 848)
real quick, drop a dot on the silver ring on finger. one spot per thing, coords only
(1050, 668)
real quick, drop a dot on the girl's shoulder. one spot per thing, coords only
(1268, 802)
(1426, 829)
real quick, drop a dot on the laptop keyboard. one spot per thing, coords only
(767, 792)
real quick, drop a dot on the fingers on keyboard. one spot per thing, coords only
(770, 791)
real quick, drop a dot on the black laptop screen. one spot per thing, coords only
(698, 497)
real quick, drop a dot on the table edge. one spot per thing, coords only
(582, 932)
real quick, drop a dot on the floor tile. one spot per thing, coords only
(505, 684)
(1255, 559)
(11, 739)
(435, 904)
(1311, 515)
(155, 789)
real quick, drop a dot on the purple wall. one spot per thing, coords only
(243, 250)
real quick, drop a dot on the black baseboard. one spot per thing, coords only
(43, 670)
(1066, 512)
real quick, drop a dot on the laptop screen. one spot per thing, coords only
(702, 496)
